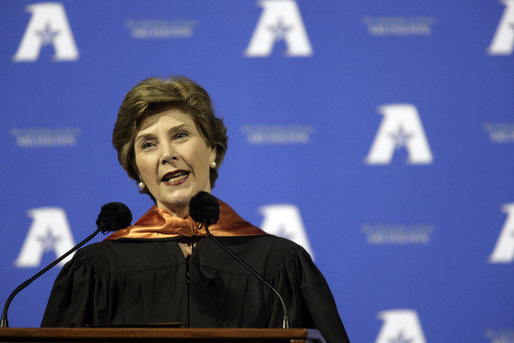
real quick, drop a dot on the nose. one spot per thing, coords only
(168, 154)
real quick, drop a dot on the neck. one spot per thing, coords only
(176, 210)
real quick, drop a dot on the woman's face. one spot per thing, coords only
(172, 159)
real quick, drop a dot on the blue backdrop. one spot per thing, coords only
(379, 135)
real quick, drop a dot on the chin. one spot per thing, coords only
(179, 200)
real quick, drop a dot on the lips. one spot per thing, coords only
(175, 177)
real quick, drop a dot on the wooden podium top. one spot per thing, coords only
(159, 335)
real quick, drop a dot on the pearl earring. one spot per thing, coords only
(141, 185)
(213, 164)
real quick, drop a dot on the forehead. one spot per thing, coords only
(167, 119)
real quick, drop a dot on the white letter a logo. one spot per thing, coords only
(49, 231)
(48, 25)
(400, 326)
(400, 128)
(503, 40)
(504, 250)
(285, 221)
(280, 20)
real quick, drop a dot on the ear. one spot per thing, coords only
(212, 154)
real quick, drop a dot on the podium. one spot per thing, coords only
(109, 335)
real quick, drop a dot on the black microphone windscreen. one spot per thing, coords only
(204, 208)
(114, 216)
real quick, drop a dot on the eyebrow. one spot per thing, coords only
(151, 135)
(144, 136)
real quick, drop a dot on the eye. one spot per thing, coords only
(146, 145)
(181, 134)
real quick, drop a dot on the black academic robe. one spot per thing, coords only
(144, 281)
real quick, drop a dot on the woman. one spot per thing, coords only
(164, 268)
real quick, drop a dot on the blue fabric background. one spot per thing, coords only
(462, 93)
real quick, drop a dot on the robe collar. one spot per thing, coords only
(159, 223)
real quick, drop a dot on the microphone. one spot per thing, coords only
(113, 216)
(204, 209)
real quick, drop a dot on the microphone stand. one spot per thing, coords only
(3, 322)
(285, 321)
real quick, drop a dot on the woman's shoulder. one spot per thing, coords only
(279, 251)
(92, 256)
(99, 256)
(269, 243)
(129, 255)
(278, 256)
(282, 246)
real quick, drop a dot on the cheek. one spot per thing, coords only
(196, 155)
(143, 167)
